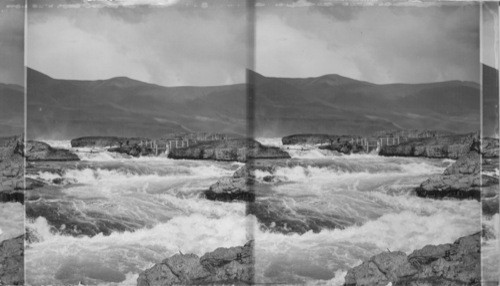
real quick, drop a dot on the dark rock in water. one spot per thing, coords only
(104, 141)
(275, 216)
(12, 261)
(228, 150)
(452, 146)
(17, 197)
(33, 184)
(229, 189)
(446, 264)
(39, 151)
(133, 150)
(31, 236)
(234, 265)
(65, 219)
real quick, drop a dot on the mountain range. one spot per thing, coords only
(281, 106)
(11, 109)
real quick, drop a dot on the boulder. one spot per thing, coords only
(232, 265)
(445, 264)
(12, 261)
(229, 188)
(239, 150)
(40, 151)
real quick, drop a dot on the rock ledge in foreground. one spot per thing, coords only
(445, 265)
(222, 266)
(12, 261)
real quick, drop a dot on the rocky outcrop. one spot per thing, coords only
(12, 261)
(445, 265)
(490, 194)
(232, 265)
(228, 150)
(461, 180)
(344, 146)
(40, 151)
(104, 141)
(452, 146)
(135, 150)
(313, 139)
(11, 167)
(471, 176)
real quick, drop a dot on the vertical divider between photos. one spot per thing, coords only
(250, 109)
(25, 118)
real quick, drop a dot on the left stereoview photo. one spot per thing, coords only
(11, 142)
(135, 113)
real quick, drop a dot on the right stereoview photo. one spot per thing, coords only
(379, 110)
(490, 251)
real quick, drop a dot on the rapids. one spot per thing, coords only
(105, 219)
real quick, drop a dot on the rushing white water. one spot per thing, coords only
(490, 251)
(107, 218)
(371, 198)
(11, 220)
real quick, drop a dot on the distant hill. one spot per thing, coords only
(490, 101)
(327, 104)
(335, 104)
(126, 107)
(11, 110)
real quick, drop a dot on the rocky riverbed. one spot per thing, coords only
(458, 263)
(234, 265)
(239, 150)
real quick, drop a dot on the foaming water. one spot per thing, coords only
(105, 219)
(490, 250)
(102, 221)
(11, 220)
(120, 257)
(327, 255)
(371, 199)
(276, 142)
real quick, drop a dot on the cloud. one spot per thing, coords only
(12, 45)
(372, 43)
(490, 34)
(167, 46)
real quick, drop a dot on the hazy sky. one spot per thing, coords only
(11, 43)
(377, 44)
(166, 45)
(490, 34)
(178, 44)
